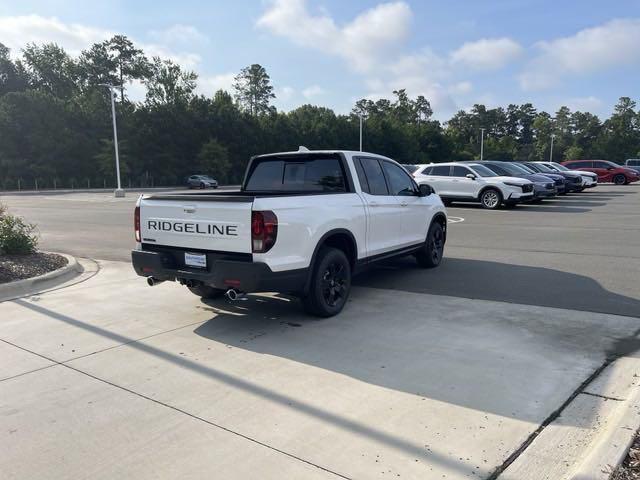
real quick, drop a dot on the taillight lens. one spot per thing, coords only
(136, 223)
(264, 231)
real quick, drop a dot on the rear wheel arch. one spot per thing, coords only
(339, 238)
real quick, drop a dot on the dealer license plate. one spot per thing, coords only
(197, 260)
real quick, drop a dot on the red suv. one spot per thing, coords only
(607, 171)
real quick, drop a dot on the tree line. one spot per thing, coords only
(55, 123)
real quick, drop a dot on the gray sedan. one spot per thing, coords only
(202, 181)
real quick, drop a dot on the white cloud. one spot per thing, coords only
(362, 42)
(584, 104)
(313, 91)
(285, 93)
(606, 46)
(17, 31)
(487, 53)
(208, 85)
(179, 34)
(461, 88)
(187, 60)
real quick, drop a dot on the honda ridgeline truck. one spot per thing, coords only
(302, 223)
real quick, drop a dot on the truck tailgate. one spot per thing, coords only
(222, 224)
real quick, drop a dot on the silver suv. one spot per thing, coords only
(633, 164)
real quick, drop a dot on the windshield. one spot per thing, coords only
(544, 168)
(483, 171)
(514, 169)
(527, 168)
(559, 167)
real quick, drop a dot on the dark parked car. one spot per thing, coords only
(543, 186)
(201, 181)
(572, 181)
(607, 171)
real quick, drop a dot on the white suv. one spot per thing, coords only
(471, 182)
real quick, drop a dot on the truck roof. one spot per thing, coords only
(333, 152)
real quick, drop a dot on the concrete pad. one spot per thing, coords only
(58, 423)
(16, 361)
(405, 384)
(113, 307)
(592, 434)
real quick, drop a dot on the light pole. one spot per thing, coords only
(119, 191)
(361, 122)
(551, 149)
(482, 143)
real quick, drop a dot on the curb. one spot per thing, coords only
(29, 286)
(592, 435)
(612, 445)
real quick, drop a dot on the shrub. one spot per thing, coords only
(17, 237)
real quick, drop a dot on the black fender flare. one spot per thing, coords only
(314, 256)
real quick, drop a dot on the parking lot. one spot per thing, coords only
(444, 373)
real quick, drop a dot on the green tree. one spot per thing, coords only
(169, 84)
(13, 78)
(51, 69)
(254, 91)
(213, 160)
(574, 152)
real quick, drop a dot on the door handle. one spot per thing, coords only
(374, 204)
(403, 204)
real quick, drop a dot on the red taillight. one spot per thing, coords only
(136, 223)
(264, 231)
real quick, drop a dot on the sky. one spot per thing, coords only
(583, 54)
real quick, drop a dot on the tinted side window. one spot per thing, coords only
(601, 165)
(440, 171)
(580, 165)
(425, 171)
(461, 171)
(375, 177)
(400, 182)
(362, 178)
(304, 175)
(633, 163)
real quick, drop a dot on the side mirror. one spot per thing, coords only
(425, 190)
(471, 176)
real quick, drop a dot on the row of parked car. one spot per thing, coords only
(497, 183)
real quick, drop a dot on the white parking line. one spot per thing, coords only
(455, 219)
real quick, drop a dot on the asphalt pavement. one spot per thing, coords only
(580, 251)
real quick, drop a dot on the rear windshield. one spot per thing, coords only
(297, 174)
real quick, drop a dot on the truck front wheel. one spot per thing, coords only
(330, 283)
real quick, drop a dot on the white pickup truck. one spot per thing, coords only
(302, 223)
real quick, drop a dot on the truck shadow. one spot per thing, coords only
(510, 360)
(501, 282)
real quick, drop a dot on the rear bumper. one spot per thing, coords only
(222, 271)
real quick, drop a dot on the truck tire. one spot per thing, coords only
(207, 292)
(430, 255)
(330, 283)
(491, 199)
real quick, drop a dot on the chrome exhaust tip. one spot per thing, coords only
(232, 294)
(152, 281)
